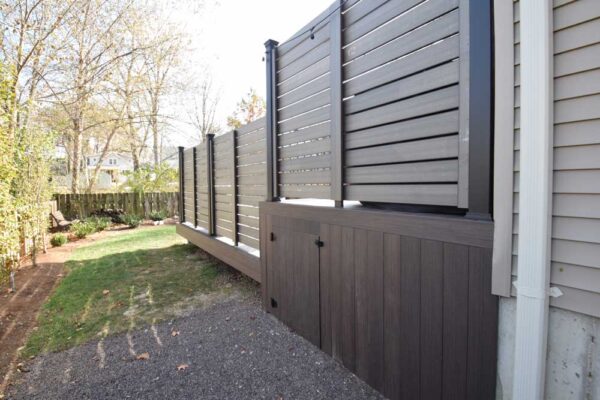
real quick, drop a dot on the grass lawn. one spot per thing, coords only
(128, 280)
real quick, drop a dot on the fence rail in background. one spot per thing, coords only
(83, 205)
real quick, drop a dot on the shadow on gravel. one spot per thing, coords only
(230, 350)
(121, 291)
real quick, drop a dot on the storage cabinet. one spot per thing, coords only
(402, 300)
(294, 290)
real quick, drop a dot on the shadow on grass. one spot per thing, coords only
(124, 290)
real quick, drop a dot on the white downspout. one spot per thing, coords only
(535, 199)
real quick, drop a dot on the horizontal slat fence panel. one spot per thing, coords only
(304, 112)
(202, 201)
(251, 170)
(188, 179)
(367, 102)
(224, 179)
(402, 87)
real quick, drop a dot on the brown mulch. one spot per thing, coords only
(18, 311)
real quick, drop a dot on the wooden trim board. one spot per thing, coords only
(450, 229)
(242, 261)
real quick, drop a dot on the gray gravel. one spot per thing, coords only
(233, 351)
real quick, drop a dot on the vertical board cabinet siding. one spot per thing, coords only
(407, 309)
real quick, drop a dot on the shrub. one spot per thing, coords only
(132, 221)
(58, 240)
(99, 223)
(82, 229)
(158, 215)
(113, 214)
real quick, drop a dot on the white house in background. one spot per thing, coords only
(114, 164)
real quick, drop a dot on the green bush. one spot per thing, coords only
(58, 240)
(132, 221)
(82, 229)
(158, 215)
(99, 223)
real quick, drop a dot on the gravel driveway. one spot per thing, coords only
(232, 350)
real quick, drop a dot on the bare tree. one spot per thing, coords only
(160, 65)
(29, 27)
(202, 108)
(93, 48)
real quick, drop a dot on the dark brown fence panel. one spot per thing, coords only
(251, 170)
(224, 173)
(188, 185)
(202, 215)
(402, 300)
(304, 114)
(402, 69)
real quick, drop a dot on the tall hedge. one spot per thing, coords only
(24, 182)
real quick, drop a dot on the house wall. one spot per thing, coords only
(573, 359)
(124, 163)
(576, 202)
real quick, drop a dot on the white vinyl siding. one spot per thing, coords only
(576, 199)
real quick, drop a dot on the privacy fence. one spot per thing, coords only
(370, 101)
(84, 204)
(377, 101)
(222, 182)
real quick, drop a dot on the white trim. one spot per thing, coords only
(535, 199)
(504, 134)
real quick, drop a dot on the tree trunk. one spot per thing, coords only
(154, 127)
(76, 165)
(136, 158)
(101, 158)
(156, 148)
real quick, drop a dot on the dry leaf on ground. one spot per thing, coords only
(105, 292)
(143, 356)
(182, 367)
(175, 333)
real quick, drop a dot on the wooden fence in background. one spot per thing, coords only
(83, 205)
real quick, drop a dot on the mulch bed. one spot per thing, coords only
(18, 311)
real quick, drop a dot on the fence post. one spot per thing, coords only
(210, 179)
(195, 188)
(337, 113)
(271, 120)
(480, 100)
(235, 189)
(181, 187)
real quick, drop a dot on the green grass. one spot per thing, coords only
(152, 274)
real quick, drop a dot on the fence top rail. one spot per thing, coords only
(252, 126)
(313, 26)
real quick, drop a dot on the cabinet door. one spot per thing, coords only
(293, 276)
